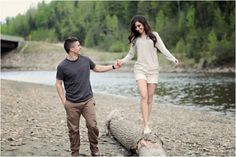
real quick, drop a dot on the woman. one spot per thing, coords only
(145, 43)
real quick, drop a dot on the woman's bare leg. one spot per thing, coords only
(142, 85)
(151, 89)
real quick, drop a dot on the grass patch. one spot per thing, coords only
(55, 51)
(99, 55)
(32, 47)
(41, 47)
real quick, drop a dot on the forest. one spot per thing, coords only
(199, 31)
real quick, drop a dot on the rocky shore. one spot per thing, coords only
(33, 123)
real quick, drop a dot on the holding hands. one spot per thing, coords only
(118, 63)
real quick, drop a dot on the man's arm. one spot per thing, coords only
(105, 68)
(60, 91)
(102, 68)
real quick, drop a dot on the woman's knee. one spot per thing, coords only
(144, 98)
(149, 102)
(150, 99)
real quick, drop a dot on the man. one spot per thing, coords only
(74, 72)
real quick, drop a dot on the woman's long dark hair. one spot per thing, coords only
(134, 34)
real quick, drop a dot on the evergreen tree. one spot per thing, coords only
(203, 30)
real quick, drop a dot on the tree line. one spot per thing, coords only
(202, 31)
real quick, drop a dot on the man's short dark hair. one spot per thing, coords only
(68, 43)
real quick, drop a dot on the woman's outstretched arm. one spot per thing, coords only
(161, 46)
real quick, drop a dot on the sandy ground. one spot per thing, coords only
(33, 123)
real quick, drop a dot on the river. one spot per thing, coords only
(204, 91)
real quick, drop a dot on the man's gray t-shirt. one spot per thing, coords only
(76, 78)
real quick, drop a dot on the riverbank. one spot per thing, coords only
(46, 56)
(33, 123)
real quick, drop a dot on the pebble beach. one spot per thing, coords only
(33, 123)
(33, 120)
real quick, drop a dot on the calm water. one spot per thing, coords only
(210, 92)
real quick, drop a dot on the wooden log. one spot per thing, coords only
(128, 134)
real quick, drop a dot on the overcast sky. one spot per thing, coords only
(11, 8)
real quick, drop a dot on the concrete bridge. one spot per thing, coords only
(9, 43)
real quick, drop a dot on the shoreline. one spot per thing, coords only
(36, 58)
(33, 123)
(227, 70)
(211, 109)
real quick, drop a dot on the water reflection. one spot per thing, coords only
(212, 91)
(217, 91)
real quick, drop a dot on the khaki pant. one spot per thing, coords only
(74, 111)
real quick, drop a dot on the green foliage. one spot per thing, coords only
(223, 52)
(89, 40)
(212, 43)
(112, 23)
(202, 31)
(190, 17)
(212, 40)
(160, 21)
(116, 47)
(39, 35)
(181, 47)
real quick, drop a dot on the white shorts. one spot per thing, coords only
(150, 78)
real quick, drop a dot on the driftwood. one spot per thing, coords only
(131, 137)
